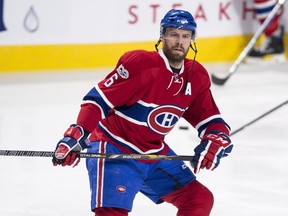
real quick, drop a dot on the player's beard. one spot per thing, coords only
(175, 58)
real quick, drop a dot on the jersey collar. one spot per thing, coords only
(161, 53)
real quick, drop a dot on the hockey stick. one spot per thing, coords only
(98, 155)
(24, 153)
(258, 118)
(221, 81)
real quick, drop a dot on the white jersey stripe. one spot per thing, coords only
(100, 176)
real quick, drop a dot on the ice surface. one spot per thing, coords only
(35, 109)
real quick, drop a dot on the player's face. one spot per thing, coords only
(176, 44)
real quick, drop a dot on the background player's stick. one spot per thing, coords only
(260, 117)
(244, 53)
(98, 155)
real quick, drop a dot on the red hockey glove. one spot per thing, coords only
(68, 149)
(212, 148)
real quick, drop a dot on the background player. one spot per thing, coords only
(273, 43)
(132, 110)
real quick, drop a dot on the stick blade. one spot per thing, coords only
(219, 81)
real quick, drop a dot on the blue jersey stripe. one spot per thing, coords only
(264, 10)
(93, 95)
(137, 112)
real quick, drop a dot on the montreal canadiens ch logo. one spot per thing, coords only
(162, 119)
(121, 189)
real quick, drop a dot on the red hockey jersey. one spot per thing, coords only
(142, 99)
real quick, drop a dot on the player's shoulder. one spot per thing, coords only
(197, 66)
(139, 55)
(139, 60)
(199, 71)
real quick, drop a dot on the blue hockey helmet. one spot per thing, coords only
(178, 19)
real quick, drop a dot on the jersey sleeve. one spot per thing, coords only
(122, 87)
(203, 114)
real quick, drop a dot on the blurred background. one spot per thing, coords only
(69, 34)
(53, 52)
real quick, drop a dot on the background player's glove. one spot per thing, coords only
(68, 149)
(212, 148)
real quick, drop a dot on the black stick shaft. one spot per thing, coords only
(260, 117)
(20, 153)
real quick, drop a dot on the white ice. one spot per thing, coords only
(36, 108)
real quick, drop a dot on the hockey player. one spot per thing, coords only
(272, 47)
(132, 110)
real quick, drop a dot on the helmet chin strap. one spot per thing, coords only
(157, 44)
(192, 66)
(194, 49)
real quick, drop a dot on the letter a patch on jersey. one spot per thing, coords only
(188, 89)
